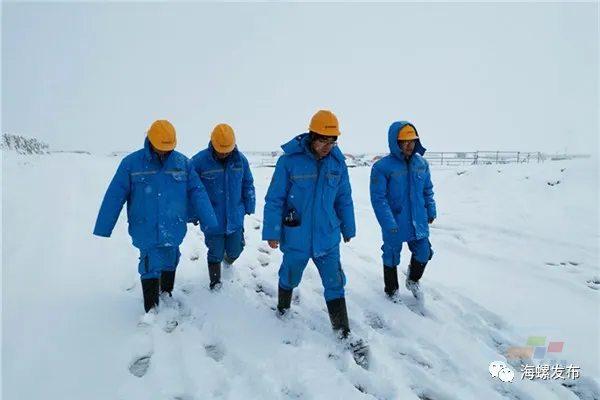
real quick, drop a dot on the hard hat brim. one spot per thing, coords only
(164, 147)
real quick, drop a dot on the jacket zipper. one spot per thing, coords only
(312, 220)
(410, 210)
(225, 188)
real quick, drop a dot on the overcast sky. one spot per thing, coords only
(507, 76)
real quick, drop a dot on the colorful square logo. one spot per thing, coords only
(536, 349)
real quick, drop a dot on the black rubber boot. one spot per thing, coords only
(390, 280)
(167, 281)
(416, 269)
(150, 291)
(214, 273)
(338, 315)
(284, 300)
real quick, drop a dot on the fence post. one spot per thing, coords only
(518, 154)
(497, 155)
(442, 158)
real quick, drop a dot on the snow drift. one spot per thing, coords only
(516, 255)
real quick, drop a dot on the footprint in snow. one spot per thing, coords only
(594, 283)
(563, 263)
(295, 342)
(374, 320)
(215, 351)
(186, 290)
(366, 258)
(256, 224)
(170, 325)
(292, 393)
(511, 392)
(263, 260)
(139, 366)
(265, 289)
(585, 387)
(265, 250)
(182, 397)
(367, 391)
(429, 389)
(416, 360)
(417, 307)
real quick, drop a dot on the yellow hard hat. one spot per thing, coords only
(223, 138)
(407, 133)
(162, 135)
(325, 123)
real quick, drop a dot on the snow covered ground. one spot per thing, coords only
(516, 255)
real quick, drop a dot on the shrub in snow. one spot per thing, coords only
(23, 145)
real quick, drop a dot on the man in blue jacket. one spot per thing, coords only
(158, 184)
(226, 174)
(402, 199)
(308, 207)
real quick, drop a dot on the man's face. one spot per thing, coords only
(407, 146)
(222, 156)
(322, 145)
(160, 153)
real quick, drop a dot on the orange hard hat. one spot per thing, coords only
(223, 138)
(162, 135)
(325, 123)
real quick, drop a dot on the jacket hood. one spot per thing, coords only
(393, 140)
(299, 144)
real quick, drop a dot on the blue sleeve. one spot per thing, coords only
(114, 199)
(275, 201)
(192, 217)
(428, 195)
(198, 197)
(344, 207)
(379, 202)
(248, 191)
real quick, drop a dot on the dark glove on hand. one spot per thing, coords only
(431, 220)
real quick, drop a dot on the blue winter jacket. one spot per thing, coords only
(230, 186)
(402, 192)
(157, 199)
(320, 194)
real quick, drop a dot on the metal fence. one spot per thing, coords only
(450, 158)
(483, 157)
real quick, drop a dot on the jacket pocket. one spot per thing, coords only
(140, 185)
(301, 189)
(140, 198)
(177, 203)
(210, 182)
(333, 178)
(178, 181)
(294, 238)
(178, 176)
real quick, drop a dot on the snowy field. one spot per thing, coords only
(516, 255)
